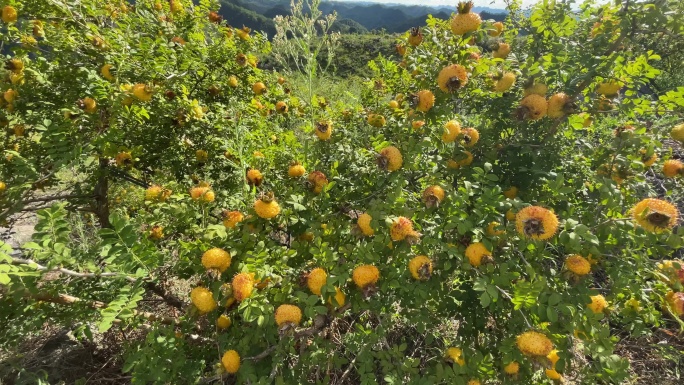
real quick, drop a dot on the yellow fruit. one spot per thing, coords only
(216, 258)
(553, 357)
(3, 187)
(498, 28)
(19, 130)
(477, 253)
(157, 233)
(339, 298)
(231, 361)
(10, 95)
(655, 215)
(288, 314)
(176, 6)
(553, 374)
(415, 36)
(559, 105)
(203, 299)
(533, 343)
(452, 129)
(675, 302)
(401, 49)
(232, 218)
(512, 368)
(536, 89)
(505, 82)
(243, 33)
(469, 137)
(677, 133)
(124, 159)
(201, 156)
(536, 222)
(420, 267)
(417, 124)
(38, 30)
(324, 129)
(223, 322)
(609, 88)
(465, 159)
(598, 304)
(533, 107)
(243, 285)
(376, 120)
(318, 181)
(15, 78)
(364, 223)
(203, 194)
(465, 21)
(511, 193)
(365, 275)
(455, 355)
(296, 170)
(390, 159)
(425, 100)
(15, 65)
(578, 265)
(492, 229)
(474, 382)
(316, 279)
(401, 228)
(156, 193)
(9, 14)
(259, 88)
(648, 160)
(106, 72)
(433, 196)
(673, 270)
(502, 51)
(267, 207)
(452, 77)
(673, 168)
(233, 81)
(143, 92)
(254, 177)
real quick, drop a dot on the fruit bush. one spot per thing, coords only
(491, 209)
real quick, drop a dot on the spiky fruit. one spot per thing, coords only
(675, 302)
(469, 137)
(203, 299)
(420, 268)
(492, 229)
(505, 82)
(217, 259)
(9, 14)
(465, 21)
(365, 275)
(478, 254)
(288, 315)
(324, 129)
(452, 77)
(578, 265)
(552, 374)
(202, 194)
(498, 28)
(202, 156)
(655, 215)
(559, 105)
(502, 51)
(231, 361)
(609, 88)
(433, 196)
(512, 368)
(533, 343)
(677, 133)
(106, 72)
(673, 168)
(536, 222)
(232, 218)
(233, 81)
(318, 181)
(266, 207)
(223, 322)
(316, 279)
(511, 193)
(452, 129)
(424, 100)
(338, 299)
(455, 355)
(296, 170)
(157, 233)
(415, 37)
(390, 159)
(536, 89)
(259, 88)
(598, 304)
(364, 223)
(143, 92)
(243, 285)
(402, 228)
(532, 107)
(254, 177)
(124, 159)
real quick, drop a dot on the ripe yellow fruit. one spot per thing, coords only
(203, 299)
(296, 170)
(477, 253)
(231, 361)
(433, 196)
(254, 177)
(655, 215)
(157, 193)
(512, 368)
(609, 88)
(578, 265)
(157, 233)
(243, 285)
(492, 229)
(673, 168)
(324, 129)
(425, 100)
(559, 105)
(233, 81)
(19, 130)
(143, 92)
(338, 299)
(124, 159)
(365, 275)
(393, 104)
(552, 374)
(216, 258)
(465, 159)
(38, 29)
(266, 207)
(452, 129)
(390, 159)
(364, 223)
(15, 65)
(316, 279)
(420, 267)
(232, 218)
(3, 187)
(648, 160)
(474, 382)
(598, 304)
(536, 89)
(465, 21)
(10, 95)
(673, 270)
(106, 72)
(505, 82)
(415, 37)
(533, 107)
(511, 193)
(9, 14)
(259, 88)
(452, 77)
(417, 124)
(677, 133)
(402, 228)
(553, 357)
(498, 29)
(318, 181)
(376, 120)
(288, 314)
(536, 222)
(223, 322)
(469, 137)
(502, 51)
(455, 355)
(202, 194)
(675, 302)
(533, 343)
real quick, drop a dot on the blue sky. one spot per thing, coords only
(484, 3)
